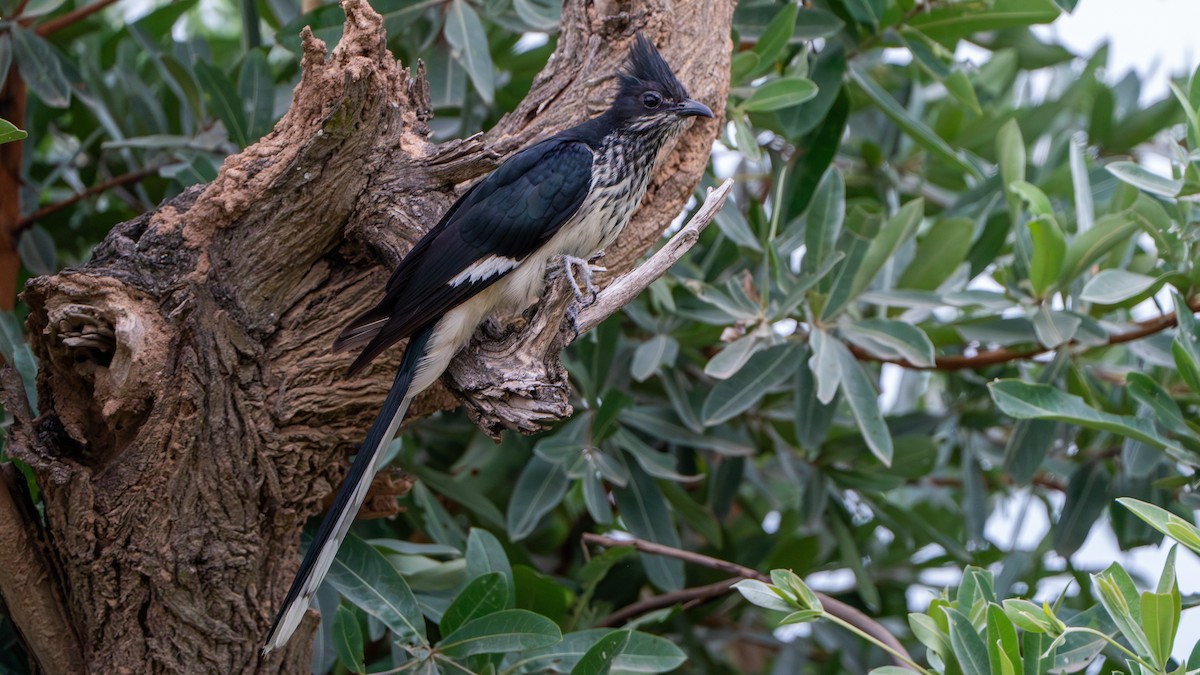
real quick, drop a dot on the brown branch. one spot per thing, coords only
(116, 181)
(834, 606)
(686, 597)
(72, 17)
(34, 600)
(993, 357)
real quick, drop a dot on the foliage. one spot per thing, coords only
(973, 633)
(945, 291)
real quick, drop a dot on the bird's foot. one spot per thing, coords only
(570, 264)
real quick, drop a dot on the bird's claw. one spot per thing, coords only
(570, 264)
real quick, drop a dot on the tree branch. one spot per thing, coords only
(834, 606)
(72, 17)
(625, 288)
(993, 357)
(34, 600)
(116, 181)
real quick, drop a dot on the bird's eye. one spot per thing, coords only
(651, 100)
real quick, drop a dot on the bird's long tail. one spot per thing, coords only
(350, 496)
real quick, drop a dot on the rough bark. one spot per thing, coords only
(192, 416)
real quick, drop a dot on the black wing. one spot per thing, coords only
(488, 232)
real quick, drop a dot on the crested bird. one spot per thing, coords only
(564, 198)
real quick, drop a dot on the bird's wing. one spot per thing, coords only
(491, 230)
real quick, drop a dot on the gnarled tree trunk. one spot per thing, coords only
(192, 416)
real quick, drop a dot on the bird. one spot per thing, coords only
(561, 200)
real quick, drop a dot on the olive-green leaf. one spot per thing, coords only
(1144, 179)
(764, 371)
(1049, 248)
(367, 579)
(917, 129)
(40, 67)
(1023, 400)
(539, 489)
(348, 639)
(859, 392)
(781, 93)
(509, 631)
(10, 133)
(469, 45)
(1112, 286)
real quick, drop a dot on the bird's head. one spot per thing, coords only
(649, 95)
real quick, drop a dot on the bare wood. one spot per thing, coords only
(192, 416)
(834, 606)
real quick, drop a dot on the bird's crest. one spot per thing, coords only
(645, 66)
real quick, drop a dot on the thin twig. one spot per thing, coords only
(74, 16)
(117, 181)
(686, 597)
(997, 356)
(834, 606)
(623, 290)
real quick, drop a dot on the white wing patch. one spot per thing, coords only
(485, 268)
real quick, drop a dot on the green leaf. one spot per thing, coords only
(1142, 179)
(507, 631)
(968, 647)
(1033, 197)
(949, 23)
(539, 15)
(642, 654)
(1186, 345)
(10, 133)
(891, 340)
(1164, 521)
(224, 102)
(939, 252)
(1049, 249)
(1053, 328)
(781, 93)
(733, 357)
(539, 489)
(1165, 408)
(256, 88)
(646, 514)
(1086, 498)
(37, 251)
(763, 371)
(600, 658)
(348, 639)
(1004, 652)
(368, 580)
(1087, 247)
(1120, 599)
(763, 595)
(812, 418)
(40, 67)
(484, 595)
(860, 394)
(825, 365)
(1031, 439)
(1160, 621)
(897, 230)
(816, 23)
(652, 355)
(1010, 149)
(1113, 286)
(823, 219)
(1037, 401)
(1026, 615)
(469, 46)
(918, 130)
(774, 39)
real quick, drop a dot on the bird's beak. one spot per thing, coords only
(690, 108)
